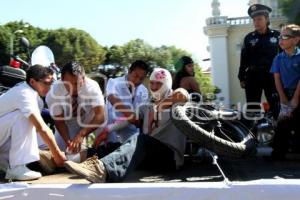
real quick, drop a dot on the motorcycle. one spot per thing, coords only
(43, 55)
(15, 72)
(12, 74)
(225, 132)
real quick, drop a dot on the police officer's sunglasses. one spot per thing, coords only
(285, 37)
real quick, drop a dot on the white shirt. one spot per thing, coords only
(21, 97)
(59, 100)
(139, 96)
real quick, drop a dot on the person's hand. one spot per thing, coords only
(132, 119)
(243, 84)
(59, 158)
(285, 111)
(75, 144)
(152, 122)
(102, 137)
(294, 102)
(284, 100)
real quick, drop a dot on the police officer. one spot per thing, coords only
(259, 49)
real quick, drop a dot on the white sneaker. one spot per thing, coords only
(21, 173)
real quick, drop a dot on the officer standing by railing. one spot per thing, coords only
(259, 49)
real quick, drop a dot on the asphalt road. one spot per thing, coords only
(202, 169)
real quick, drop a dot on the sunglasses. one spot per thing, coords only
(285, 37)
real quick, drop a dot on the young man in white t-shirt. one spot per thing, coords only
(20, 121)
(76, 104)
(125, 95)
(161, 147)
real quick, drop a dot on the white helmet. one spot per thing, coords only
(163, 76)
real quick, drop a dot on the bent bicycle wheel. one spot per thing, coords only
(224, 137)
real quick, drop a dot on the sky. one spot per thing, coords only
(115, 22)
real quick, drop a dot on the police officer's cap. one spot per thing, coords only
(258, 9)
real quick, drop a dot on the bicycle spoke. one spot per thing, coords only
(199, 119)
(196, 115)
(223, 131)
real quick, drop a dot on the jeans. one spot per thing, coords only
(103, 150)
(139, 151)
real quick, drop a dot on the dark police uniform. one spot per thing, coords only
(256, 59)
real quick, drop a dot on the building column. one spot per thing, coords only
(217, 34)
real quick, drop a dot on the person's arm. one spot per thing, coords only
(194, 85)
(119, 106)
(180, 95)
(62, 128)
(243, 65)
(48, 137)
(97, 120)
(115, 100)
(280, 90)
(55, 104)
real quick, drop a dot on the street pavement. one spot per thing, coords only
(203, 169)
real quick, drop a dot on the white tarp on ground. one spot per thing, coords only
(277, 189)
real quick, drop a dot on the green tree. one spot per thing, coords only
(66, 44)
(73, 44)
(115, 56)
(162, 57)
(291, 9)
(207, 89)
(4, 45)
(137, 50)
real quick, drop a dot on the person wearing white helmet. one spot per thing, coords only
(160, 147)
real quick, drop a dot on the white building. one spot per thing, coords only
(226, 36)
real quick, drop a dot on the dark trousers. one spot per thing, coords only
(287, 132)
(139, 151)
(103, 150)
(256, 83)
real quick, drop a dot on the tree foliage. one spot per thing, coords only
(206, 87)
(4, 45)
(66, 44)
(291, 9)
(73, 44)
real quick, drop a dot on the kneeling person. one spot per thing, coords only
(20, 121)
(77, 105)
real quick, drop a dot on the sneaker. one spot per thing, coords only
(92, 169)
(22, 173)
(47, 162)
